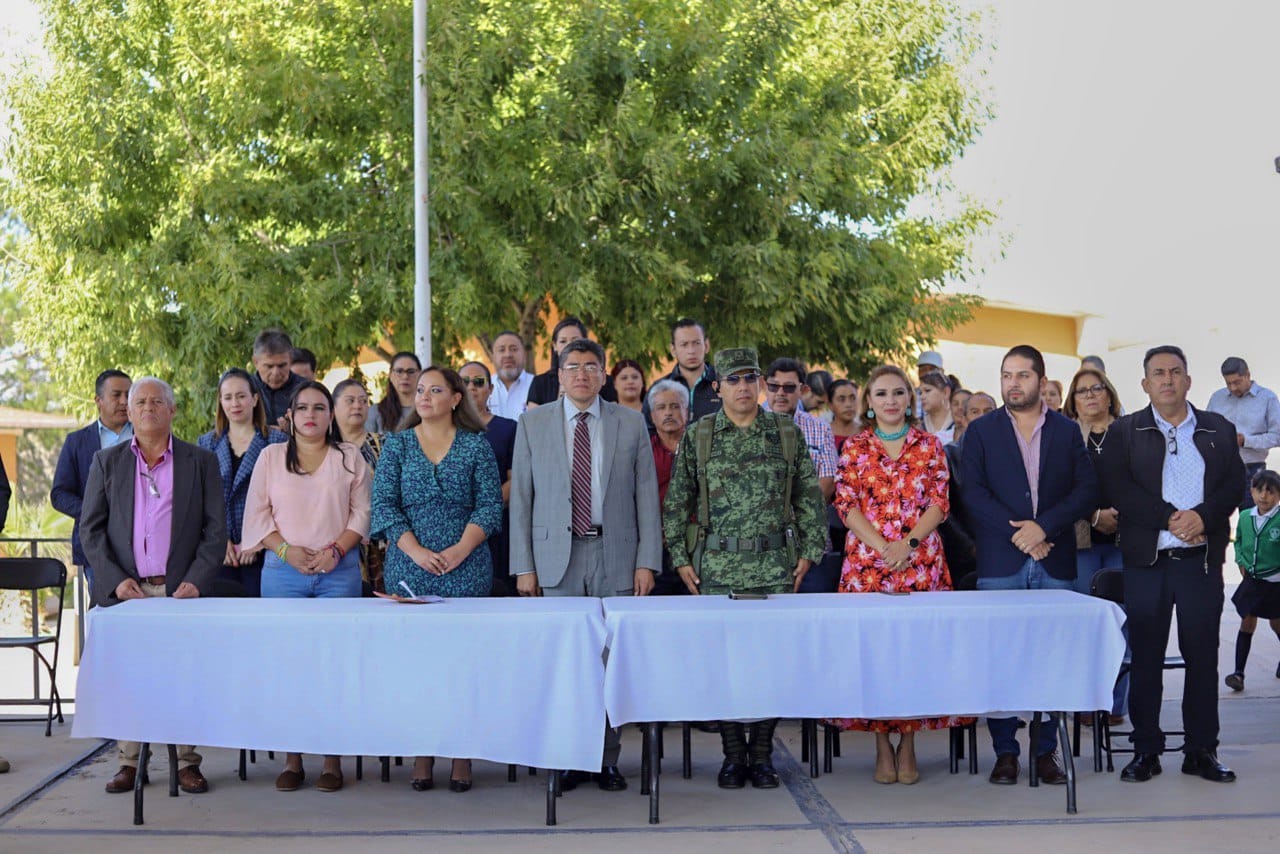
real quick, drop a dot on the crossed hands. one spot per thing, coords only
(311, 561)
(1187, 526)
(130, 589)
(1030, 539)
(236, 556)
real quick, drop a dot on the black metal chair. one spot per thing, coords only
(1109, 584)
(33, 574)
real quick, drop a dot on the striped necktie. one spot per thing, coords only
(581, 485)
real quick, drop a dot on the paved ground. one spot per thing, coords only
(53, 800)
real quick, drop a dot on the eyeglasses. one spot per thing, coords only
(1091, 390)
(734, 379)
(478, 382)
(152, 487)
(588, 368)
(405, 372)
(785, 388)
(1173, 441)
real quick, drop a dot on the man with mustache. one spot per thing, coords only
(511, 381)
(668, 406)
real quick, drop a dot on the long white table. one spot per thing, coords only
(871, 655)
(508, 680)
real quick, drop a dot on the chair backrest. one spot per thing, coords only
(31, 573)
(967, 582)
(1108, 584)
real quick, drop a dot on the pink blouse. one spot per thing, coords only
(309, 510)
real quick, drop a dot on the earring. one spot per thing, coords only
(871, 413)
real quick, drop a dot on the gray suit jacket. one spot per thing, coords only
(199, 538)
(541, 509)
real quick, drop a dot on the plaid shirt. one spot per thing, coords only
(821, 442)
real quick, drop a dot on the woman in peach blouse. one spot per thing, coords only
(308, 505)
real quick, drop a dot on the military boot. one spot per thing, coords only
(733, 773)
(760, 751)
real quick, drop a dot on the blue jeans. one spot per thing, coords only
(1088, 562)
(1031, 576)
(281, 581)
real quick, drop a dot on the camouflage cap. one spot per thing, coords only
(736, 359)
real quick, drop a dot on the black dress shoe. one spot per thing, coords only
(1049, 769)
(423, 785)
(1143, 767)
(459, 785)
(1205, 764)
(763, 775)
(569, 780)
(733, 775)
(1235, 681)
(610, 779)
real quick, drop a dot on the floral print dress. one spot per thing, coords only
(893, 494)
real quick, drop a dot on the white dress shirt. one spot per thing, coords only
(510, 402)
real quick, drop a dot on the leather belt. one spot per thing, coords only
(766, 543)
(595, 532)
(1182, 553)
(154, 580)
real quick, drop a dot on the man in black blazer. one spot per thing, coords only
(1026, 479)
(111, 396)
(1173, 473)
(153, 525)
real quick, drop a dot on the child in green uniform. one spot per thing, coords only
(1258, 554)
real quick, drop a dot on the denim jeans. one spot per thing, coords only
(282, 581)
(1031, 576)
(1088, 562)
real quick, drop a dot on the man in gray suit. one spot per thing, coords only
(153, 525)
(585, 516)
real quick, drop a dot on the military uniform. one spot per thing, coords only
(763, 513)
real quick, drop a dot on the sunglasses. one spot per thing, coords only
(734, 379)
(478, 382)
(785, 388)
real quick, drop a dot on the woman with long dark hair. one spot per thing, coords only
(239, 435)
(628, 382)
(350, 413)
(397, 401)
(501, 434)
(308, 505)
(436, 499)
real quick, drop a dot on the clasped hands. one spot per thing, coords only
(313, 562)
(1030, 539)
(236, 556)
(130, 589)
(1187, 526)
(441, 562)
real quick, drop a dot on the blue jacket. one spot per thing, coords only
(236, 491)
(70, 478)
(995, 491)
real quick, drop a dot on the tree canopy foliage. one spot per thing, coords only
(188, 173)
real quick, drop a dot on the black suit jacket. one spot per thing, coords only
(1132, 469)
(199, 534)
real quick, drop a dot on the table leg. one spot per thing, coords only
(813, 749)
(243, 771)
(651, 734)
(1068, 761)
(828, 748)
(386, 768)
(686, 738)
(1098, 722)
(139, 779)
(1033, 740)
(553, 777)
(973, 748)
(511, 773)
(646, 758)
(173, 771)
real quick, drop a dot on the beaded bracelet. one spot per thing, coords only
(282, 550)
(338, 553)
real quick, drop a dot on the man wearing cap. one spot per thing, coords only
(743, 514)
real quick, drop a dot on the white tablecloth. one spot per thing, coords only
(869, 655)
(508, 680)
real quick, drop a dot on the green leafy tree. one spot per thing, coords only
(191, 172)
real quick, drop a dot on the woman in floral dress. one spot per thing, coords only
(891, 490)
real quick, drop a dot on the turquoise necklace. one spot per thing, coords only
(892, 437)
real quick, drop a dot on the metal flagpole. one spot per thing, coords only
(421, 174)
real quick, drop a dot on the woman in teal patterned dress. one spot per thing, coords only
(437, 497)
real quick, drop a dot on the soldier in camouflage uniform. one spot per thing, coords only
(758, 529)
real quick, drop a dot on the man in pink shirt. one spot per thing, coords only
(153, 525)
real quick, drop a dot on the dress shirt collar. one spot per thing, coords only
(571, 409)
(137, 451)
(108, 437)
(1187, 423)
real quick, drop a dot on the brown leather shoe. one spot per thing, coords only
(289, 781)
(1005, 772)
(329, 782)
(1049, 768)
(191, 781)
(123, 780)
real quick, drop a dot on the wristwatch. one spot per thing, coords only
(913, 542)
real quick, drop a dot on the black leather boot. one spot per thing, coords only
(760, 751)
(733, 773)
